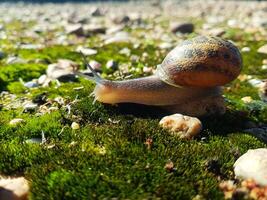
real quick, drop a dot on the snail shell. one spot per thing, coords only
(201, 62)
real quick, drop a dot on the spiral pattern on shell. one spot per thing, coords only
(201, 62)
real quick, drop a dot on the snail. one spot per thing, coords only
(192, 71)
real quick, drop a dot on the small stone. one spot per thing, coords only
(63, 70)
(111, 64)
(95, 65)
(31, 46)
(263, 49)
(255, 82)
(31, 84)
(86, 51)
(14, 60)
(169, 166)
(253, 165)
(118, 38)
(30, 107)
(247, 99)
(34, 141)
(41, 80)
(75, 126)
(96, 12)
(165, 45)
(16, 121)
(76, 29)
(218, 32)
(182, 28)
(263, 91)
(94, 29)
(126, 51)
(14, 188)
(264, 67)
(245, 49)
(121, 19)
(181, 125)
(264, 62)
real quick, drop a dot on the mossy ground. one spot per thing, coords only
(107, 157)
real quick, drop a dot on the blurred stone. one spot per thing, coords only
(165, 45)
(96, 12)
(30, 84)
(182, 27)
(76, 29)
(75, 126)
(253, 165)
(31, 46)
(63, 70)
(14, 60)
(14, 188)
(41, 80)
(16, 121)
(111, 64)
(218, 32)
(94, 29)
(30, 107)
(247, 99)
(263, 49)
(118, 37)
(263, 91)
(181, 125)
(95, 65)
(86, 51)
(121, 19)
(245, 49)
(126, 51)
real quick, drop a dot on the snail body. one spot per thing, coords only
(195, 69)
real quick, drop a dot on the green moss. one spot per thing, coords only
(12, 73)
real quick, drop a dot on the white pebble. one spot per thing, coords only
(181, 125)
(16, 121)
(75, 126)
(252, 165)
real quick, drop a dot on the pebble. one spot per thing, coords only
(76, 29)
(96, 12)
(75, 126)
(111, 64)
(263, 49)
(245, 49)
(126, 51)
(14, 188)
(86, 51)
(165, 45)
(94, 29)
(63, 70)
(182, 27)
(121, 19)
(16, 121)
(41, 80)
(255, 82)
(264, 67)
(253, 165)
(30, 107)
(181, 125)
(218, 32)
(118, 37)
(95, 65)
(30, 84)
(247, 99)
(263, 91)
(14, 60)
